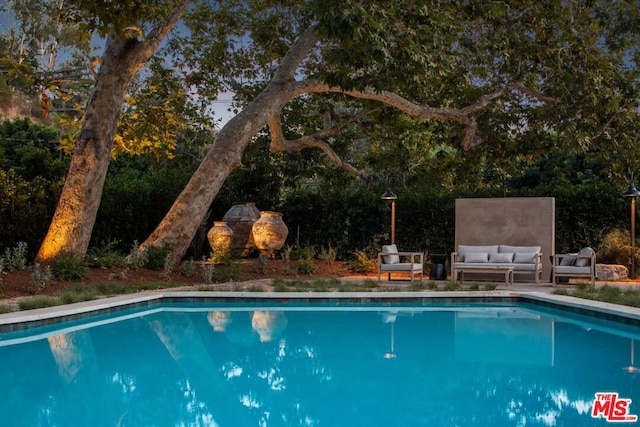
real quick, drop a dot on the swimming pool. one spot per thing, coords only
(312, 364)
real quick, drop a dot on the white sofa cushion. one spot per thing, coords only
(519, 249)
(476, 257)
(466, 249)
(524, 257)
(390, 259)
(584, 262)
(506, 257)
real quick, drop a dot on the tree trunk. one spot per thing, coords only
(177, 228)
(70, 229)
(72, 223)
(181, 223)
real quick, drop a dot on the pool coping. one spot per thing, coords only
(22, 320)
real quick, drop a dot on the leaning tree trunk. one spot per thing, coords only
(72, 224)
(181, 223)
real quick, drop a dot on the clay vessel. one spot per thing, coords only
(220, 236)
(269, 232)
(240, 218)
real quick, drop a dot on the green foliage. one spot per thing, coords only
(39, 302)
(188, 268)
(105, 256)
(362, 263)
(156, 257)
(303, 258)
(261, 264)
(208, 272)
(615, 248)
(228, 273)
(224, 256)
(328, 255)
(137, 258)
(68, 266)
(40, 278)
(15, 259)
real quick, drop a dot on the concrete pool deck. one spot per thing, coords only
(540, 294)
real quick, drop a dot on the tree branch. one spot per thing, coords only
(280, 144)
(463, 115)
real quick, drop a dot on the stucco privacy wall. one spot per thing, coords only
(525, 221)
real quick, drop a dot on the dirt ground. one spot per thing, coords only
(245, 271)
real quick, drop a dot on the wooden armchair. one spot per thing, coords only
(391, 261)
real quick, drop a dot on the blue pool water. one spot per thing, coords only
(319, 365)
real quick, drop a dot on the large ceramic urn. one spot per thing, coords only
(240, 218)
(269, 232)
(220, 236)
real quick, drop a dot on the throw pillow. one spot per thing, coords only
(476, 257)
(525, 258)
(584, 262)
(568, 260)
(501, 257)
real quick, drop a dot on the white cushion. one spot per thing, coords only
(390, 259)
(476, 257)
(584, 262)
(506, 257)
(519, 249)
(402, 266)
(572, 270)
(525, 257)
(465, 249)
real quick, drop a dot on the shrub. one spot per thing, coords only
(137, 258)
(223, 256)
(15, 259)
(362, 262)
(40, 279)
(68, 266)
(188, 268)
(261, 264)
(328, 255)
(615, 248)
(105, 256)
(156, 257)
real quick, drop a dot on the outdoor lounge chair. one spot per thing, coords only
(580, 264)
(391, 261)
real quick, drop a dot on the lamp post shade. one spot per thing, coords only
(389, 195)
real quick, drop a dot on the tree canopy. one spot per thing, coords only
(386, 90)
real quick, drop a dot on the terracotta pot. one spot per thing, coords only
(240, 218)
(269, 232)
(220, 236)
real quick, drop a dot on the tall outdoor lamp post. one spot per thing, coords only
(632, 193)
(390, 195)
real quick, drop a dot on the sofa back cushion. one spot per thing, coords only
(584, 262)
(390, 259)
(466, 249)
(476, 257)
(519, 249)
(524, 257)
(496, 257)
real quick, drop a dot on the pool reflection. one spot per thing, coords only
(464, 366)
